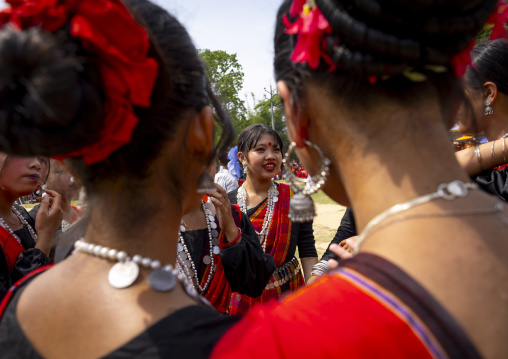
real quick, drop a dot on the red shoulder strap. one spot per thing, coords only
(11, 248)
(16, 285)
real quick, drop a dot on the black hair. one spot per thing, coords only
(51, 97)
(385, 39)
(489, 65)
(249, 137)
(223, 157)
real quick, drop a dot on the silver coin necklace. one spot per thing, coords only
(126, 271)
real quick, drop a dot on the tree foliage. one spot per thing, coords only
(226, 77)
(262, 113)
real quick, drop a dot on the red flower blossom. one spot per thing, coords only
(310, 27)
(462, 60)
(107, 29)
(297, 7)
(498, 18)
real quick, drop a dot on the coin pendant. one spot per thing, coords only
(207, 260)
(216, 250)
(161, 280)
(123, 274)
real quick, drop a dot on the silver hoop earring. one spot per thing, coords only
(488, 109)
(301, 207)
(245, 167)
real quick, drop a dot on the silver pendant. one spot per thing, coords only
(215, 241)
(161, 280)
(215, 233)
(123, 274)
(213, 225)
(301, 208)
(207, 260)
(216, 250)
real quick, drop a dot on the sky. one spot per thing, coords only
(242, 27)
(238, 27)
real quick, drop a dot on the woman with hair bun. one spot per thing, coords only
(430, 279)
(116, 90)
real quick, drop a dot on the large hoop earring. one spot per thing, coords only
(301, 206)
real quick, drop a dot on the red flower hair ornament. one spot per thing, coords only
(107, 29)
(497, 19)
(311, 27)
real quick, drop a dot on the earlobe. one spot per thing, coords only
(200, 133)
(296, 118)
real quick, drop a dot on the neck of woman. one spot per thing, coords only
(257, 186)
(407, 158)
(136, 224)
(6, 202)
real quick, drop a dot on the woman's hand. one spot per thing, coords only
(223, 212)
(343, 250)
(48, 220)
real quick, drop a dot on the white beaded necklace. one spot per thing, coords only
(242, 198)
(124, 273)
(25, 223)
(185, 262)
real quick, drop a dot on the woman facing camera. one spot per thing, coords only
(374, 85)
(118, 91)
(266, 203)
(25, 242)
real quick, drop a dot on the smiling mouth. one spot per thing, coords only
(269, 166)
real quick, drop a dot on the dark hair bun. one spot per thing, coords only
(385, 37)
(44, 95)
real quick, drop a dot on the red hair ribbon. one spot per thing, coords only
(107, 29)
(498, 18)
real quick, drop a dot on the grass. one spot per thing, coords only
(29, 206)
(319, 197)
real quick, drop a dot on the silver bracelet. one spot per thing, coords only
(492, 154)
(320, 268)
(479, 157)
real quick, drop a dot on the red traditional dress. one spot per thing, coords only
(240, 265)
(281, 240)
(369, 308)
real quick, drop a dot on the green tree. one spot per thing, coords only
(226, 77)
(262, 113)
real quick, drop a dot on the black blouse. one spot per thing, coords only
(31, 259)
(302, 234)
(494, 182)
(190, 332)
(247, 268)
(347, 229)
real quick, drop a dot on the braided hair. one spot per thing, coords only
(385, 39)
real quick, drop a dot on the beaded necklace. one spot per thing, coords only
(126, 271)
(25, 223)
(242, 198)
(185, 262)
